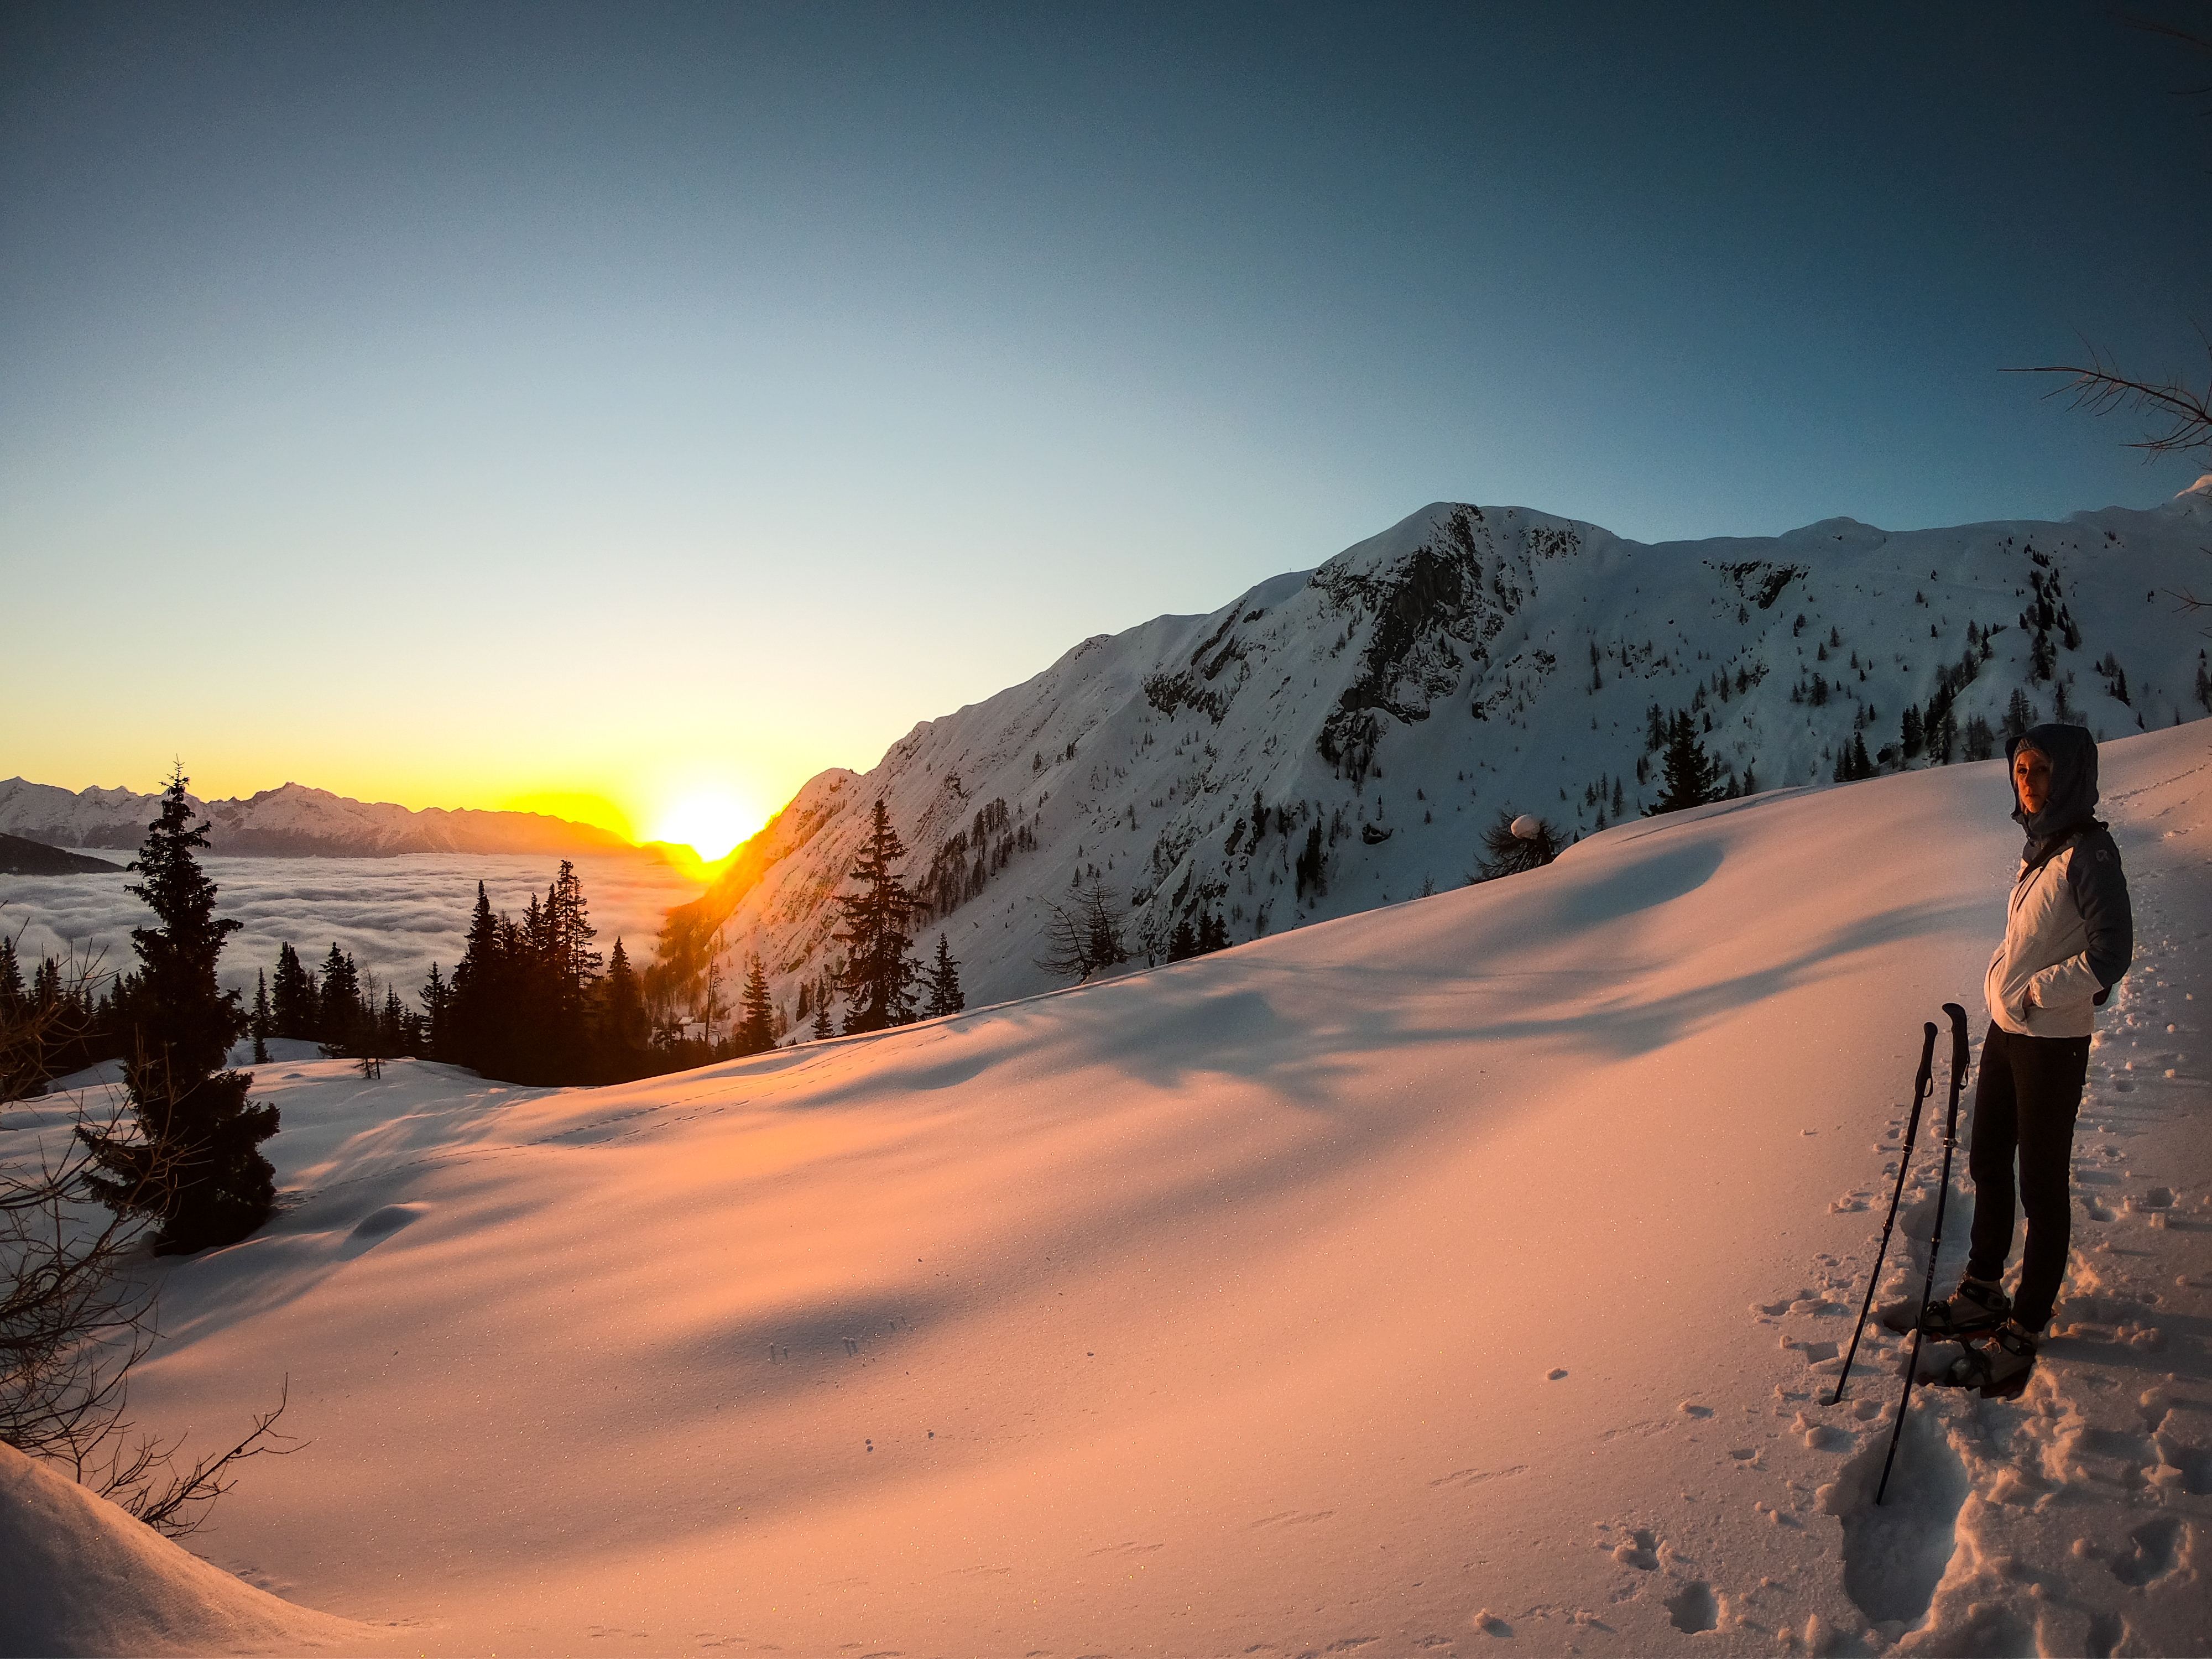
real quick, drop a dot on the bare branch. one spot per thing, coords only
(178, 1510)
(2188, 36)
(2101, 387)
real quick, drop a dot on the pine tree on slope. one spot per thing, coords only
(879, 977)
(624, 1027)
(194, 1165)
(260, 1023)
(339, 999)
(1182, 943)
(945, 993)
(478, 1030)
(292, 1002)
(1690, 773)
(755, 1032)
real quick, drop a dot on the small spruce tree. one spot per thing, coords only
(625, 1027)
(879, 977)
(292, 1003)
(339, 1002)
(1182, 943)
(194, 1163)
(1689, 774)
(258, 1025)
(944, 982)
(755, 1032)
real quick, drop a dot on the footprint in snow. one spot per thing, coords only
(1637, 1548)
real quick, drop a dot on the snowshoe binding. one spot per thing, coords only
(1976, 1308)
(1998, 1364)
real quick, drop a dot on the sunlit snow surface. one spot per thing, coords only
(1464, 1273)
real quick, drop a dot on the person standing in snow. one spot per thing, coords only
(2068, 937)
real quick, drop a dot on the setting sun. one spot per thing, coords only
(710, 819)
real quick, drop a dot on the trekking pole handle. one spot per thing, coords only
(1957, 1018)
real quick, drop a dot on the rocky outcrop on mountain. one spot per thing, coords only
(293, 821)
(1337, 740)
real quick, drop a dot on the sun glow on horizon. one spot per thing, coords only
(710, 818)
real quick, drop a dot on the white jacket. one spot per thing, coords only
(2068, 937)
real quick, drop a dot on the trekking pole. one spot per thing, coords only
(1957, 1018)
(1923, 1083)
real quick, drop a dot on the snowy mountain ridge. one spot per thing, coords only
(294, 820)
(1338, 738)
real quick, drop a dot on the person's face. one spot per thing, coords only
(2031, 777)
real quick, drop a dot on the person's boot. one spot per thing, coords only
(1998, 1364)
(1977, 1307)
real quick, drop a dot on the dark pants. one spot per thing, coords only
(2024, 1101)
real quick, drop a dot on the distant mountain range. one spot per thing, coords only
(293, 821)
(1336, 739)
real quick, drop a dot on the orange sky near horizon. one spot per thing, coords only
(711, 806)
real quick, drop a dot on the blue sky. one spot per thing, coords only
(468, 404)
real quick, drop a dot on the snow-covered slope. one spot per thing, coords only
(1462, 1276)
(293, 821)
(1466, 661)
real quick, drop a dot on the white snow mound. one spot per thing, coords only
(77, 1575)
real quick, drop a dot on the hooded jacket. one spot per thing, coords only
(2070, 934)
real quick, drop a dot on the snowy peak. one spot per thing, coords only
(294, 820)
(1340, 739)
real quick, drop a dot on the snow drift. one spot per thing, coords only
(79, 1576)
(1468, 1270)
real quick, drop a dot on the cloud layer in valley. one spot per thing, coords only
(395, 917)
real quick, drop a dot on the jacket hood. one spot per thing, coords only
(2073, 803)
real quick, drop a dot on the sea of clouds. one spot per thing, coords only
(395, 917)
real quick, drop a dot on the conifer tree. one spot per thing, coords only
(1690, 773)
(194, 1163)
(822, 1028)
(1309, 873)
(476, 982)
(292, 1001)
(259, 1025)
(338, 1001)
(755, 1032)
(1182, 943)
(573, 966)
(879, 977)
(1212, 932)
(625, 1027)
(437, 997)
(1101, 927)
(945, 993)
